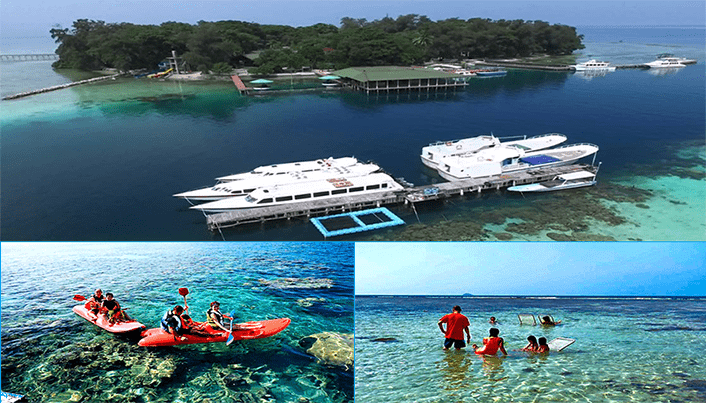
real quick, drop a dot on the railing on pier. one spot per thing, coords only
(58, 87)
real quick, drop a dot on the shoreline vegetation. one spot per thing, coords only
(223, 47)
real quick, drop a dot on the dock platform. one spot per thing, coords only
(240, 85)
(409, 195)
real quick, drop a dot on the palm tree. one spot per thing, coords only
(423, 39)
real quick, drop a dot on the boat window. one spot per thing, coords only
(304, 196)
(263, 201)
(338, 191)
(384, 185)
(320, 194)
(372, 187)
(283, 198)
(359, 189)
(281, 173)
(249, 190)
(235, 191)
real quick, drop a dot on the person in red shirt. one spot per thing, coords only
(491, 344)
(456, 324)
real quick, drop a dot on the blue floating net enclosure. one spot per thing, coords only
(357, 221)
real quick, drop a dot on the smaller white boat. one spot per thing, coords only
(666, 62)
(560, 182)
(594, 65)
(434, 152)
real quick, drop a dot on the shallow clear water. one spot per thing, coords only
(626, 350)
(46, 349)
(100, 162)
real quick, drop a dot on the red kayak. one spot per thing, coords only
(102, 322)
(248, 330)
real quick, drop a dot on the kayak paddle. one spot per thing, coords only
(230, 333)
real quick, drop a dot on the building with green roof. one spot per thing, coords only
(394, 78)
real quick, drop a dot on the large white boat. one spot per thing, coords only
(302, 166)
(235, 188)
(667, 60)
(501, 160)
(594, 65)
(433, 153)
(305, 192)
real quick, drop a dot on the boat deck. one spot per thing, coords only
(410, 195)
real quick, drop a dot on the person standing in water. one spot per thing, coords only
(456, 325)
(491, 344)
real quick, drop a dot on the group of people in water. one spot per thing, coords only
(175, 321)
(178, 322)
(457, 325)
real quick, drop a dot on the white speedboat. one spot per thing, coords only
(303, 166)
(305, 192)
(501, 160)
(560, 182)
(433, 153)
(237, 188)
(594, 65)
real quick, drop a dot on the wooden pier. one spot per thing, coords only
(240, 85)
(409, 195)
(29, 57)
(59, 87)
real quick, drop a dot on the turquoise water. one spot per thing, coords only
(626, 350)
(100, 162)
(51, 354)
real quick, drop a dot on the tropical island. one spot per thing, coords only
(222, 46)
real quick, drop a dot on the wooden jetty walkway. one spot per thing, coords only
(28, 57)
(563, 67)
(58, 87)
(409, 195)
(240, 85)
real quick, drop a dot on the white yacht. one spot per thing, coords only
(305, 192)
(594, 65)
(242, 187)
(302, 166)
(433, 153)
(666, 60)
(501, 160)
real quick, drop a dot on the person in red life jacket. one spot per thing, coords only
(532, 345)
(543, 347)
(114, 313)
(456, 324)
(491, 344)
(94, 303)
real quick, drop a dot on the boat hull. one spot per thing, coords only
(119, 327)
(251, 330)
(538, 187)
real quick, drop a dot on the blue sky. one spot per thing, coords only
(539, 268)
(36, 17)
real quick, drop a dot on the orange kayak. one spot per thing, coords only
(248, 330)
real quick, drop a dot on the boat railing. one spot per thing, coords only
(547, 135)
(573, 145)
(523, 137)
